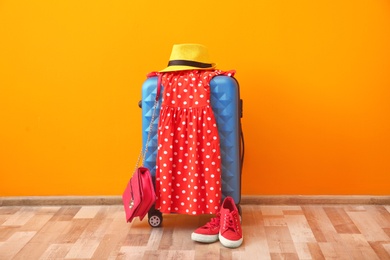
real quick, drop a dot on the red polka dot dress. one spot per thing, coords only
(188, 173)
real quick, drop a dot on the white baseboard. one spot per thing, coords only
(59, 200)
(316, 199)
(245, 200)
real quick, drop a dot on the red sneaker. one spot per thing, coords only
(230, 233)
(207, 233)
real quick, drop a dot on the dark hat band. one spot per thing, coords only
(189, 63)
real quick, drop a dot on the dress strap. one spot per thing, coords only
(159, 78)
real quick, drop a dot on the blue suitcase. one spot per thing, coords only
(227, 108)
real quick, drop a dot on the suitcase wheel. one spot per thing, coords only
(155, 218)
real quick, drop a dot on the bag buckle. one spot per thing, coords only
(131, 204)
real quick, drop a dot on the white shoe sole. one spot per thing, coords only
(230, 243)
(204, 238)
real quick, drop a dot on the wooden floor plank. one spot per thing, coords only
(299, 229)
(15, 243)
(380, 249)
(132, 252)
(280, 240)
(341, 221)
(87, 212)
(207, 251)
(7, 232)
(56, 251)
(182, 255)
(155, 238)
(93, 234)
(36, 222)
(303, 250)
(255, 238)
(381, 216)
(270, 232)
(21, 217)
(115, 236)
(369, 228)
(358, 247)
(333, 250)
(66, 213)
(315, 251)
(41, 241)
(325, 225)
(315, 220)
(387, 248)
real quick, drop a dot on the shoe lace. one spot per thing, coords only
(214, 222)
(232, 222)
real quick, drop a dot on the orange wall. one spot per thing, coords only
(314, 75)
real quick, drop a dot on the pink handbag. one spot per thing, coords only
(139, 195)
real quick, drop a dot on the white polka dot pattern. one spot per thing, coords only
(188, 174)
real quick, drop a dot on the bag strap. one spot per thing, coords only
(158, 86)
(142, 155)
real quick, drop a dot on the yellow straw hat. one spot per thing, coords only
(189, 57)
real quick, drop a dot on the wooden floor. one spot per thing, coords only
(270, 232)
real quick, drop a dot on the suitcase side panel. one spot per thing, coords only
(149, 91)
(225, 102)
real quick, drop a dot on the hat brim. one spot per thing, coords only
(181, 67)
